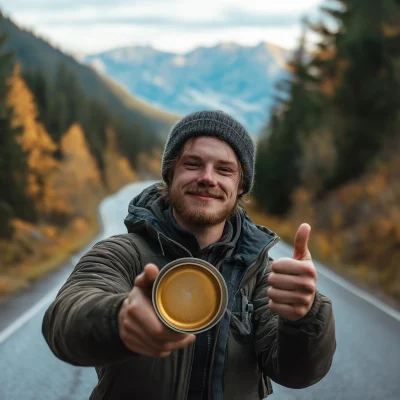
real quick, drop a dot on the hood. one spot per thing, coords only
(147, 209)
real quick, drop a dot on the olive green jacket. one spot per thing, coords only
(252, 345)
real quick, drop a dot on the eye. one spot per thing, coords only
(225, 170)
(192, 164)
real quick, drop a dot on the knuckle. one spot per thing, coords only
(124, 336)
(157, 332)
(133, 308)
(271, 277)
(164, 354)
(298, 312)
(308, 286)
(310, 270)
(304, 299)
(166, 347)
(125, 325)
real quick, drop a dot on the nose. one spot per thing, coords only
(207, 176)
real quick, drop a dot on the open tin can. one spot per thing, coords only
(190, 295)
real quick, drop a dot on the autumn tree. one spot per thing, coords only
(362, 66)
(14, 201)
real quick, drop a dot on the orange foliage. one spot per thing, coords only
(34, 139)
(75, 187)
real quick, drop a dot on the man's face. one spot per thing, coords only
(204, 189)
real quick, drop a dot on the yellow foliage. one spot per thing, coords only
(79, 225)
(50, 232)
(75, 186)
(356, 228)
(34, 139)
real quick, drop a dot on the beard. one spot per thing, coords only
(201, 216)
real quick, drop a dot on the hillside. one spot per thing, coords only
(61, 153)
(34, 53)
(237, 79)
(330, 154)
(355, 228)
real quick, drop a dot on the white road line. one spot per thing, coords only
(347, 285)
(26, 316)
(283, 247)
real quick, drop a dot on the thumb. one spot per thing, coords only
(301, 251)
(146, 279)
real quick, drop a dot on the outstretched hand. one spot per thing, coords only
(140, 328)
(293, 280)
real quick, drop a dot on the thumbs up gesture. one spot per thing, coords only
(293, 280)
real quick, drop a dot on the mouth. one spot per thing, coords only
(203, 196)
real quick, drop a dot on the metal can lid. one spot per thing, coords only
(189, 297)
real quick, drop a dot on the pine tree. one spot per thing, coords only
(280, 150)
(14, 201)
(362, 65)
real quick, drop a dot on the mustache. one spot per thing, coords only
(206, 193)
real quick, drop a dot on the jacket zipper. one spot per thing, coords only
(253, 269)
(246, 277)
(186, 391)
(207, 369)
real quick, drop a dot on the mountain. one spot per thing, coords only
(237, 79)
(34, 53)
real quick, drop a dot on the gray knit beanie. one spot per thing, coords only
(215, 124)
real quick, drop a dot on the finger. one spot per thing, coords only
(140, 346)
(288, 296)
(290, 312)
(292, 282)
(136, 333)
(289, 266)
(142, 312)
(301, 251)
(146, 279)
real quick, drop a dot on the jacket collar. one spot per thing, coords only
(148, 211)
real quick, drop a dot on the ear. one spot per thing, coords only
(240, 191)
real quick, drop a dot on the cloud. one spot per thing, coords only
(162, 12)
(178, 25)
(102, 37)
(230, 19)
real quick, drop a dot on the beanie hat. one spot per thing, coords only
(214, 124)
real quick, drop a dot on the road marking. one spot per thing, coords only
(26, 316)
(347, 285)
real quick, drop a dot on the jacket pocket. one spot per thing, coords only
(241, 325)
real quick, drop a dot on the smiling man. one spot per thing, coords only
(277, 326)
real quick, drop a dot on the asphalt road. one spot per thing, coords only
(366, 364)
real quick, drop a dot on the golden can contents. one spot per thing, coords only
(190, 297)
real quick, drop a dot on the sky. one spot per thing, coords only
(92, 26)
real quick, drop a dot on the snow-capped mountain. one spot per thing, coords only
(237, 79)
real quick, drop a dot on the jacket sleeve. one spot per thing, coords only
(293, 354)
(80, 326)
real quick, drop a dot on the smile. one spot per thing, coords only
(202, 197)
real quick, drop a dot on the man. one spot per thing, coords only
(277, 325)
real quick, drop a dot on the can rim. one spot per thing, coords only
(203, 264)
